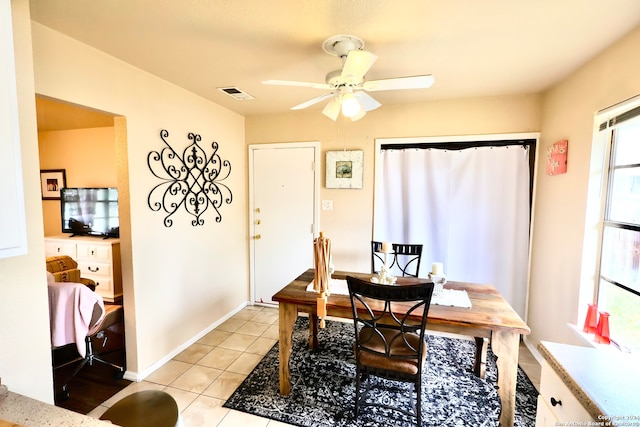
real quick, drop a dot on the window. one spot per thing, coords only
(619, 272)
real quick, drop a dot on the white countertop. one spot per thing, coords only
(27, 412)
(605, 381)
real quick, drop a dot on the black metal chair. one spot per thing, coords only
(113, 316)
(102, 318)
(388, 345)
(377, 259)
(405, 257)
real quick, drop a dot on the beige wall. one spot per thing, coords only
(25, 355)
(88, 157)
(349, 224)
(179, 280)
(560, 217)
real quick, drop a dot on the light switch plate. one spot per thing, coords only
(327, 205)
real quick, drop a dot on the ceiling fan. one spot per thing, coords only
(347, 87)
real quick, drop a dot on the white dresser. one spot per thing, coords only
(98, 259)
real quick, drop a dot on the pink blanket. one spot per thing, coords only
(70, 311)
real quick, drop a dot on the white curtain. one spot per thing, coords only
(469, 208)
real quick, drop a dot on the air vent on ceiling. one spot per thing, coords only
(236, 93)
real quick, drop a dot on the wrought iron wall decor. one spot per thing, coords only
(193, 180)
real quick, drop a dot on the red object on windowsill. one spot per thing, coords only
(591, 321)
(602, 330)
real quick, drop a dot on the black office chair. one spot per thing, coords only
(387, 345)
(405, 257)
(98, 326)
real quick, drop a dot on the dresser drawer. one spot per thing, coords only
(104, 287)
(59, 247)
(94, 268)
(559, 399)
(95, 252)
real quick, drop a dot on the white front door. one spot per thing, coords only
(284, 193)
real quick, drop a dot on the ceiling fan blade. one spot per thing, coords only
(293, 83)
(356, 66)
(332, 109)
(413, 82)
(366, 101)
(312, 101)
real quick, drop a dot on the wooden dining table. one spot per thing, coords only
(490, 319)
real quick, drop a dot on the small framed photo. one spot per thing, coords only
(51, 181)
(344, 169)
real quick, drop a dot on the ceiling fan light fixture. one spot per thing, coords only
(332, 109)
(358, 116)
(350, 105)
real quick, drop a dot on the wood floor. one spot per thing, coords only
(93, 384)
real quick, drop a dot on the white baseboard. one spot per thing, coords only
(139, 376)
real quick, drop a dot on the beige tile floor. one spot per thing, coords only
(203, 376)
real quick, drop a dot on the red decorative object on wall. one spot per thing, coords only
(557, 157)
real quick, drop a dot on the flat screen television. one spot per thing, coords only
(90, 211)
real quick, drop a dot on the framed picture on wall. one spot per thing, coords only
(51, 181)
(344, 169)
(557, 157)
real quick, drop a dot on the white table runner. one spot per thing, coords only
(448, 297)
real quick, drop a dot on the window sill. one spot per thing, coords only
(589, 340)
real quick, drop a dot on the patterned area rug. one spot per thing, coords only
(323, 386)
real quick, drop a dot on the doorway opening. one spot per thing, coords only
(90, 146)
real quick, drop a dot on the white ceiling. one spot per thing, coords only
(473, 48)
